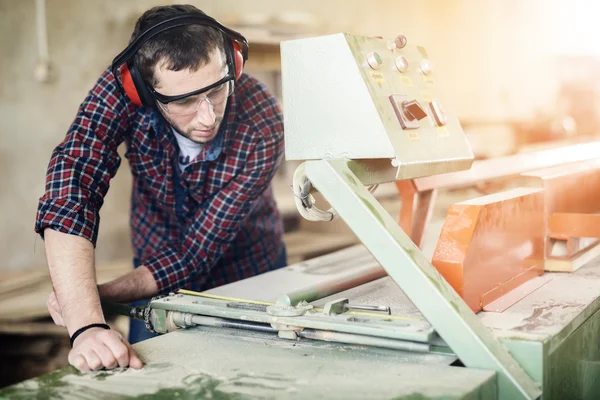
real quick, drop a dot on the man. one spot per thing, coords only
(202, 148)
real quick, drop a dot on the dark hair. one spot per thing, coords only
(183, 47)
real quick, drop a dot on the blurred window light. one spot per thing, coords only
(575, 27)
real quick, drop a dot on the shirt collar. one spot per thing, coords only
(213, 149)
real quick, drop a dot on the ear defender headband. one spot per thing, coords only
(131, 80)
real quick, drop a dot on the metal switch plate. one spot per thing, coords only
(350, 95)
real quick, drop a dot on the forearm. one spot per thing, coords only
(71, 265)
(136, 285)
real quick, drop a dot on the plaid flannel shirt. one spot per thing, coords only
(225, 227)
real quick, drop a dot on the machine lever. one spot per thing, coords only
(342, 305)
(385, 309)
(413, 110)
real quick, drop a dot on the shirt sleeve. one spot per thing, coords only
(216, 225)
(82, 165)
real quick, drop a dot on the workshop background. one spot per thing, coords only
(520, 74)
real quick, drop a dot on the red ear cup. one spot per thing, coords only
(238, 59)
(128, 85)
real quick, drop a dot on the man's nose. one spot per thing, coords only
(206, 113)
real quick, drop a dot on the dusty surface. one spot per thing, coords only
(206, 363)
(566, 299)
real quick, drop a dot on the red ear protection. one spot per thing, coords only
(131, 80)
(129, 85)
(238, 59)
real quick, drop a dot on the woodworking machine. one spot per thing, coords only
(376, 320)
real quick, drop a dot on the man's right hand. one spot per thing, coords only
(96, 348)
(99, 348)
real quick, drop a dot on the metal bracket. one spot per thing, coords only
(340, 306)
(286, 310)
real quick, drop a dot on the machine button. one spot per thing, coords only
(438, 113)
(400, 41)
(401, 63)
(425, 67)
(413, 110)
(374, 60)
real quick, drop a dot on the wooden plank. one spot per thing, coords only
(21, 280)
(32, 329)
(506, 301)
(30, 302)
(510, 166)
(329, 269)
(304, 245)
(573, 264)
(572, 192)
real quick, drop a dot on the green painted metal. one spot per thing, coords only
(572, 370)
(530, 355)
(159, 321)
(437, 301)
(566, 367)
(378, 326)
(232, 364)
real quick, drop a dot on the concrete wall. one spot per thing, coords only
(491, 56)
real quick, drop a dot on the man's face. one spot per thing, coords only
(201, 124)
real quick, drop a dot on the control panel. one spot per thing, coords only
(356, 97)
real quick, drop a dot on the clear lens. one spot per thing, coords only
(189, 105)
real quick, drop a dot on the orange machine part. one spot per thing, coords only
(415, 211)
(573, 225)
(492, 244)
(571, 193)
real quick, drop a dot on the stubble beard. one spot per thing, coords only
(188, 132)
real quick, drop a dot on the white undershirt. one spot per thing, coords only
(188, 150)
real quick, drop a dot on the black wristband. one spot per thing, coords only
(85, 328)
